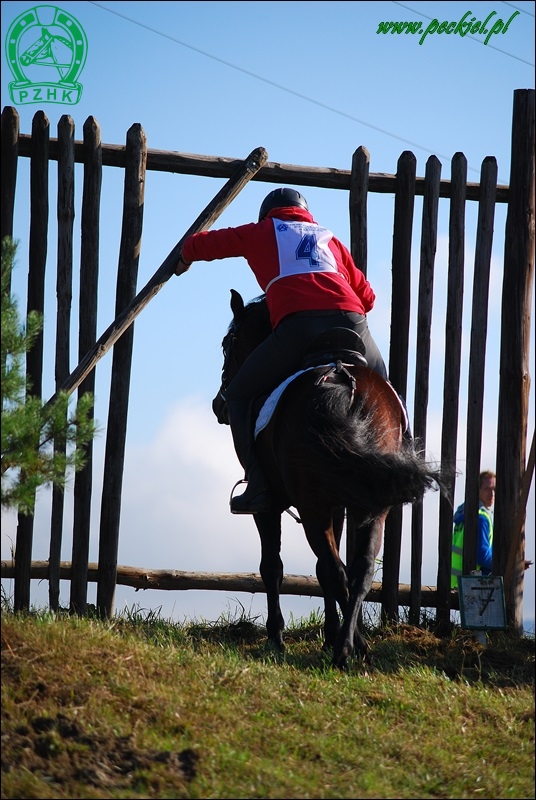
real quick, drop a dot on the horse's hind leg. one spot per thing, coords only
(360, 575)
(271, 569)
(323, 533)
(332, 623)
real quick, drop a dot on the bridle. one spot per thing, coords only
(228, 347)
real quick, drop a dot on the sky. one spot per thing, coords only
(310, 82)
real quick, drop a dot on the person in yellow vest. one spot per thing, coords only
(484, 548)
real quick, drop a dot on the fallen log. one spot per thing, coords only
(178, 580)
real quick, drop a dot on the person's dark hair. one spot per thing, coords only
(280, 198)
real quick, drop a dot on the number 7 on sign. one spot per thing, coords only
(486, 601)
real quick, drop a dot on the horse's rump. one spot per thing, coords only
(342, 437)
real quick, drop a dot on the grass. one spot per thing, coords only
(141, 707)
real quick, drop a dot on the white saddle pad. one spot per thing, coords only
(266, 412)
(270, 404)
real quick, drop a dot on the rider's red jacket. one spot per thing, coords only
(344, 287)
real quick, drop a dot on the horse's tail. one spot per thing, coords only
(345, 456)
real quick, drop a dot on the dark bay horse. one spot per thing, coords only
(335, 443)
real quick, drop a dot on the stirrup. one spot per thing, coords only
(261, 502)
(243, 480)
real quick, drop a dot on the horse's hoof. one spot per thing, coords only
(341, 658)
(342, 664)
(276, 644)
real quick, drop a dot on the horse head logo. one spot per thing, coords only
(46, 49)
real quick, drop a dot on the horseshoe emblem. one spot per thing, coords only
(41, 42)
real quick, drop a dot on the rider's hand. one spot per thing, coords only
(181, 267)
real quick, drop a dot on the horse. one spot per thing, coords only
(335, 444)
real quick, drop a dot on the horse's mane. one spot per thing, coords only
(255, 310)
(261, 298)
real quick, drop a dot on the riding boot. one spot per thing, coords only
(256, 497)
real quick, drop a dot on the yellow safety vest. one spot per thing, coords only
(457, 547)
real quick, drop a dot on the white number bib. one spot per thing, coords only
(302, 247)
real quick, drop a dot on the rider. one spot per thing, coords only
(311, 283)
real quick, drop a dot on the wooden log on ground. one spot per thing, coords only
(177, 580)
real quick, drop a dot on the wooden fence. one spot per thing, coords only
(513, 473)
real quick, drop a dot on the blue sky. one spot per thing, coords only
(310, 82)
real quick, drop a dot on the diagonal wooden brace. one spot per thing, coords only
(243, 174)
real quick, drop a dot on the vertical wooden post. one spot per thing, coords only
(89, 271)
(477, 357)
(358, 248)
(514, 384)
(10, 151)
(432, 180)
(64, 291)
(398, 357)
(451, 382)
(35, 302)
(358, 207)
(127, 275)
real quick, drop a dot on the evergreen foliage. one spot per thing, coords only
(41, 445)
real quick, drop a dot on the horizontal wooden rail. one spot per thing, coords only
(114, 155)
(176, 580)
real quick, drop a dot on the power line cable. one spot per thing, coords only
(518, 8)
(279, 86)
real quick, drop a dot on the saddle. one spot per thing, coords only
(337, 346)
(332, 349)
(332, 346)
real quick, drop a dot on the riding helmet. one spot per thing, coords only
(280, 198)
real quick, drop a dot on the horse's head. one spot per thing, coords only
(249, 326)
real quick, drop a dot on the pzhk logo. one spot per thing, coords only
(46, 50)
